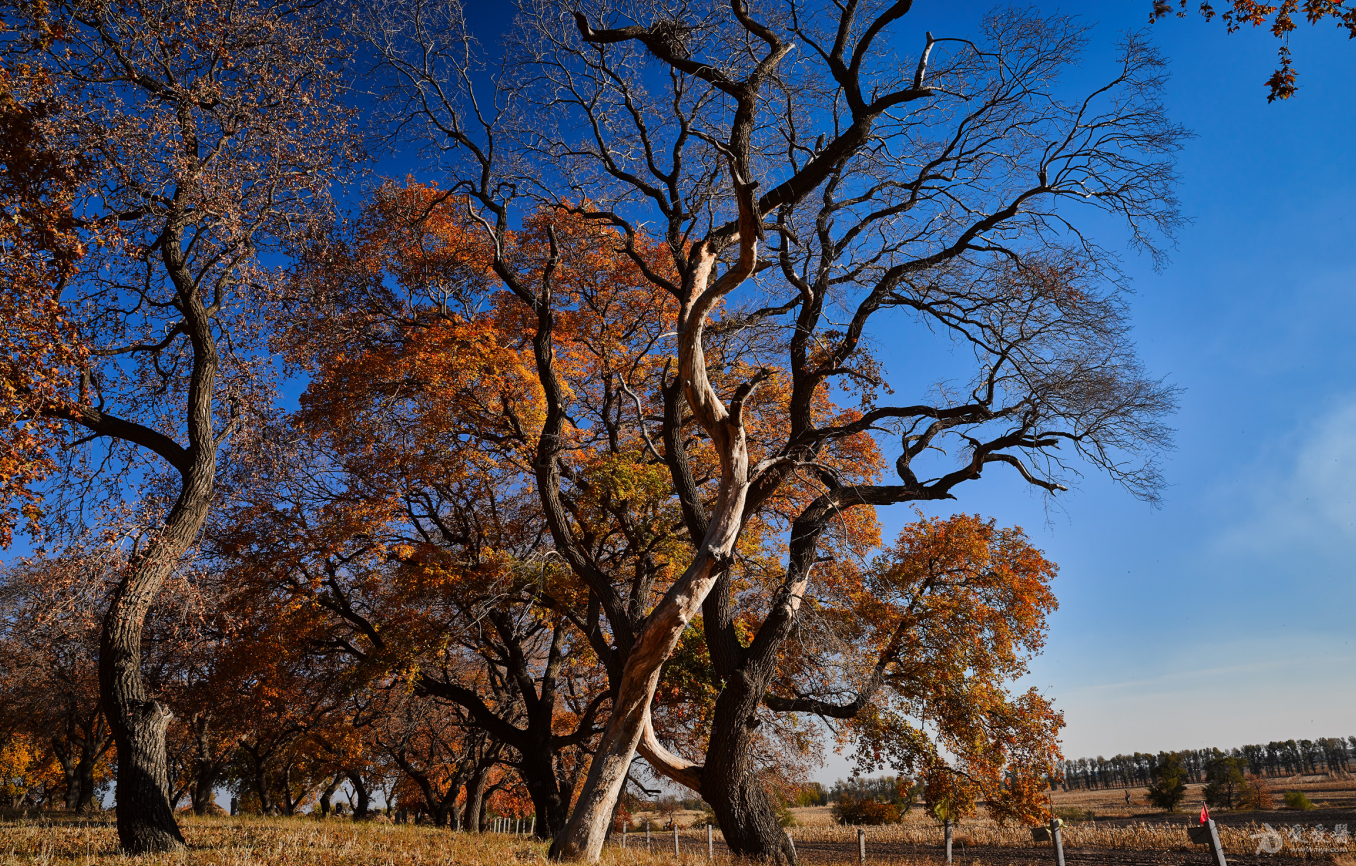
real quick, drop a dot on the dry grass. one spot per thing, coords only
(306, 842)
(295, 842)
(309, 842)
(1139, 837)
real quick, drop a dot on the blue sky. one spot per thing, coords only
(1225, 616)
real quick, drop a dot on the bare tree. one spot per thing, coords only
(814, 193)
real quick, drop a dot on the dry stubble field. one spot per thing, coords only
(1121, 836)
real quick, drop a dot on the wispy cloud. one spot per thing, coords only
(1301, 493)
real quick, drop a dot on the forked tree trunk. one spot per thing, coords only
(584, 834)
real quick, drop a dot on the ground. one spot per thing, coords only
(1119, 836)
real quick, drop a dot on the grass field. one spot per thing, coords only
(308, 842)
(1120, 836)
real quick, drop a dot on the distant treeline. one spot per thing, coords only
(1277, 758)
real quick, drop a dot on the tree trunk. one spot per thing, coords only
(475, 800)
(260, 782)
(364, 797)
(138, 721)
(583, 836)
(84, 776)
(730, 780)
(538, 771)
(68, 770)
(327, 793)
(205, 766)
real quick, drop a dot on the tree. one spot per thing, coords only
(776, 190)
(212, 136)
(1280, 19)
(935, 630)
(406, 517)
(1224, 780)
(1169, 782)
(49, 652)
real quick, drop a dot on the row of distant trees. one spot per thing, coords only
(1277, 758)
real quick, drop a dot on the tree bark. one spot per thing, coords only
(84, 777)
(475, 800)
(730, 781)
(538, 770)
(138, 722)
(360, 809)
(68, 774)
(205, 769)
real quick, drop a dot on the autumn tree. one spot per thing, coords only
(1279, 19)
(407, 514)
(921, 648)
(49, 655)
(211, 136)
(797, 206)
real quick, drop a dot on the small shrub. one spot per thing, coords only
(1254, 794)
(785, 817)
(851, 810)
(1297, 800)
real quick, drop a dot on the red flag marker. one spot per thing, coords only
(1205, 814)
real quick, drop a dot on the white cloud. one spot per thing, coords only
(1309, 500)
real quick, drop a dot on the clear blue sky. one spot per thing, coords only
(1226, 616)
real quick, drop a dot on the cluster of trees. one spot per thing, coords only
(1274, 759)
(596, 417)
(876, 800)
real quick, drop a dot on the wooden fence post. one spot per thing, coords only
(861, 845)
(1215, 845)
(948, 840)
(647, 835)
(1057, 838)
(676, 852)
(710, 844)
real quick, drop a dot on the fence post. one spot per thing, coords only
(1215, 844)
(1057, 838)
(791, 842)
(676, 852)
(861, 845)
(710, 844)
(532, 827)
(948, 840)
(624, 823)
(647, 835)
